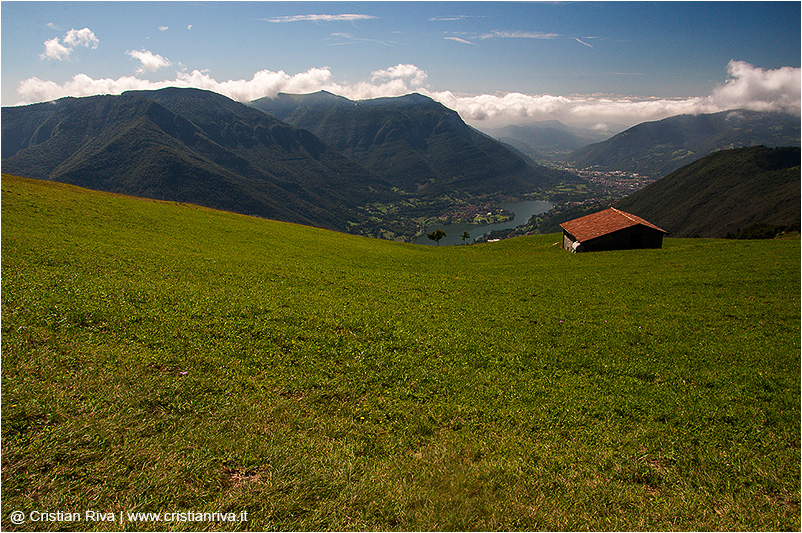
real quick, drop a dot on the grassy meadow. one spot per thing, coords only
(164, 358)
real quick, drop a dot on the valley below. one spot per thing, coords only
(503, 216)
(508, 215)
(389, 168)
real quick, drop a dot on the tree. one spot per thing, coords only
(465, 236)
(436, 235)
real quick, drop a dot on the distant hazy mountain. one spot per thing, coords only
(192, 146)
(657, 148)
(413, 142)
(550, 139)
(723, 193)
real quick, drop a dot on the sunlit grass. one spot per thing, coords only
(159, 357)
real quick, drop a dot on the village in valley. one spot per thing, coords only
(598, 186)
(611, 182)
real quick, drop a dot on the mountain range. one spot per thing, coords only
(416, 144)
(197, 146)
(658, 148)
(326, 161)
(191, 146)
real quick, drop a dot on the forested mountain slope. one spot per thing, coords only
(413, 142)
(192, 146)
(658, 148)
(723, 193)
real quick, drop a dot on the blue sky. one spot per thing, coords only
(494, 62)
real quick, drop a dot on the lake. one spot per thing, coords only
(523, 211)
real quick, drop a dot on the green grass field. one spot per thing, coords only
(167, 358)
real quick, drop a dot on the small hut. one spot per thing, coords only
(611, 229)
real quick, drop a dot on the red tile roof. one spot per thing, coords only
(604, 222)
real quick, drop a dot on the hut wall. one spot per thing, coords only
(568, 241)
(625, 239)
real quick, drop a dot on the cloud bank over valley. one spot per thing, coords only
(746, 86)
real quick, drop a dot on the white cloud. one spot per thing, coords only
(351, 17)
(758, 89)
(164, 28)
(580, 41)
(519, 35)
(347, 38)
(458, 39)
(746, 87)
(61, 51)
(365, 90)
(400, 72)
(264, 83)
(455, 18)
(55, 50)
(150, 62)
(83, 37)
(36, 90)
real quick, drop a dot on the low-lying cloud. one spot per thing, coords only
(758, 89)
(746, 87)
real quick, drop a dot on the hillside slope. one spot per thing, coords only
(169, 358)
(413, 142)
(658, 148)
(192, 146)
(724, 192)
